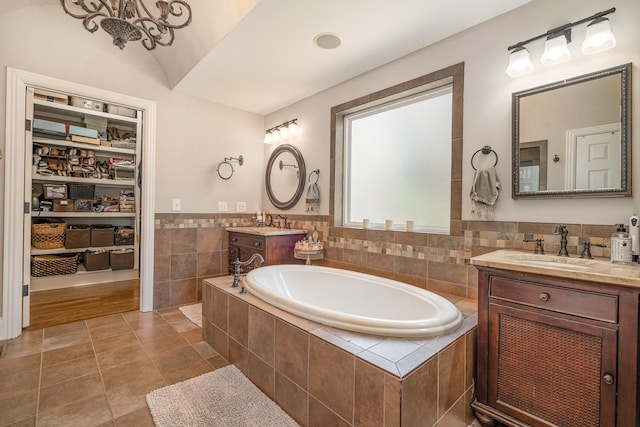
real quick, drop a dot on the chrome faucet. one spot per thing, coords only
(562, 231)
(237, 271)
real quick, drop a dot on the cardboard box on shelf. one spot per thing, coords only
(63, 205)
(50, 96)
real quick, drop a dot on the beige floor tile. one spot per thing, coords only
(67, 392)
(93, 411)
(18, 407)
(116, 341)
(65, 371)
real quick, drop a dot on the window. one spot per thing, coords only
(398, 154)
(395, 157)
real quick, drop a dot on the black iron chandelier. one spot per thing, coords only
(132, 20)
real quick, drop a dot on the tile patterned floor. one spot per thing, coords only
(97, 372)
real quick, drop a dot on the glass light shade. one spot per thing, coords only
(556, 51)
(294, 129)
(519, 62)
(284, 132)
(599, 37)
(268, 138)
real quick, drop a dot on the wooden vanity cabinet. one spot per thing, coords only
(555, 351)
(275, 249)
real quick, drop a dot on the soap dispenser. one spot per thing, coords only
(621, 246)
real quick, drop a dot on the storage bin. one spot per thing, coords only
(120, 110)
(96, 260)
(82, 205)
(124, 236)
(122, 259)
(63, 205)
(82, 191)
(90, 104)
(48, 234)
(101, 235)
(51, 265)
(55, 191)
(77, 236)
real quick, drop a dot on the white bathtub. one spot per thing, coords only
(354, 301)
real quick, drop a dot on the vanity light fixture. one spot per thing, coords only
(281, 132)
(597, 39)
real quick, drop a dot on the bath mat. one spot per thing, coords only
(222, 398)
(193, 313)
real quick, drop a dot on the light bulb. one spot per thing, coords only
(519, 62)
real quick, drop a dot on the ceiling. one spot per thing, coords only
(260, 56)
(269, 59)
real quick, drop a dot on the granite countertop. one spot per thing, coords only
(593, 270)
(266, 231)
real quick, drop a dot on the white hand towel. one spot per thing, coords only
(484, 192)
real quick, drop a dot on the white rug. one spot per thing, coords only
(193, 313)
(222, 398)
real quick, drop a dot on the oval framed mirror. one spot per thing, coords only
(572, 138)
(285, 181)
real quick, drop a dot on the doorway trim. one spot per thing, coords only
(12, 259)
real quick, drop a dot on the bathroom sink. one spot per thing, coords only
(552, 261)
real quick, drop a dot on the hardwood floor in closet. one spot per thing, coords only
(55, 307)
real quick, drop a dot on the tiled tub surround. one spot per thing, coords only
(191, 247)
(325, 376)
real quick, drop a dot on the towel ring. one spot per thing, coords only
(486, 150)
(317, 172)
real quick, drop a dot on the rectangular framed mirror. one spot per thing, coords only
(572, 138)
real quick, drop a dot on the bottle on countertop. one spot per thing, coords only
(634, 233)
(621, 246)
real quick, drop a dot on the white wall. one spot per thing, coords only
(487, 100)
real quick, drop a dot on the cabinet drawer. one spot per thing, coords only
(563, 300)
(246, 240)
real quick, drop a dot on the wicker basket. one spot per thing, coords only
(51, 265)
(48, 235)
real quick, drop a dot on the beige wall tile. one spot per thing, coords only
(292, 398)
(369, 396)
(331, 377)
(262, 375)
(262, 335)
(292, 353)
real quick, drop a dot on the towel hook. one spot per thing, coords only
(317, 172)
(486, 150)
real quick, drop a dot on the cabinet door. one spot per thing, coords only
(551, 371)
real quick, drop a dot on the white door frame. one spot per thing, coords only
(571, 142)
(12, 262)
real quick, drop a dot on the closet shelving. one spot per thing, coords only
(70, 114)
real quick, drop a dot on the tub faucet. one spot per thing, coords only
(237, 270)
(562, 231)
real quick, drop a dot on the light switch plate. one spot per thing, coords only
(175, 205)
(223, 207)
(241, 206)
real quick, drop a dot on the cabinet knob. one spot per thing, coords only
(256, 244)
(608, 379)
(234, 239)
(544, 296)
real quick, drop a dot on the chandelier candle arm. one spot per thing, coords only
(131, 20)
